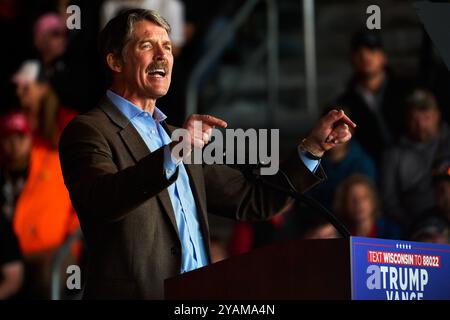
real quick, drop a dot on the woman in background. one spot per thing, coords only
(38, 100)
(357, 203)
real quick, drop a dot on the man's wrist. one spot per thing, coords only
(310, 150)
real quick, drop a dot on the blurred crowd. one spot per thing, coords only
(391, 181)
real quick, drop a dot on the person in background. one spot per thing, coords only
(50, 40)
(433, 74)
(374, 96)
(432, 229)
(441, 184)
(34, 200)
(406, 180)
(357, 203)
(37, 99)
(434, 224)
(11, 265)
(249, 235)
(294, 221)
(64, 65)
(317, 227)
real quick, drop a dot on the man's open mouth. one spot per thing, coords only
(160, 73)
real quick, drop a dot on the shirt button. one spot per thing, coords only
(153, 131)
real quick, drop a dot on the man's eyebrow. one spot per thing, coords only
(150, 40)
(144, 40)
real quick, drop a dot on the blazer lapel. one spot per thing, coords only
(138, 149)
(134, 142)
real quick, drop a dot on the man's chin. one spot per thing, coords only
(153, 93)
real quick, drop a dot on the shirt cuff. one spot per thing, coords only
(311, 164)
(170, 163)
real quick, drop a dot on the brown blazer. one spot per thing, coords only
(119, 190)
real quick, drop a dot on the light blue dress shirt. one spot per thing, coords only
(193, 252)
(311, 164)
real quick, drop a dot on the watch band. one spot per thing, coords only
(308, 154)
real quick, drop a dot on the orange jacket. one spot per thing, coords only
(44, 216)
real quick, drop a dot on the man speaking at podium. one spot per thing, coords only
(142, 210)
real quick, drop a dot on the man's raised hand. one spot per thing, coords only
(331, 130)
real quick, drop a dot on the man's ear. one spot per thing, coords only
(114, 63)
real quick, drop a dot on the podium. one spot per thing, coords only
(338, 269)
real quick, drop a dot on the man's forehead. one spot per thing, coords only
(148, 29)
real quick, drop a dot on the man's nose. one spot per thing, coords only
(160, 53)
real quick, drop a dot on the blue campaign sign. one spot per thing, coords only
(399, 270)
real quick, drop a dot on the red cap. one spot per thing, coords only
(14, 122)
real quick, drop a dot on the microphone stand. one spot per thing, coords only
(249, 172)
(310, 202)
